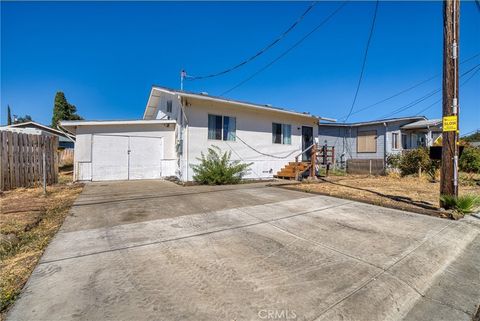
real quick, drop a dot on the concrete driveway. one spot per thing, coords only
(152, 250)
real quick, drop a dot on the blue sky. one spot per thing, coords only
(106, 55)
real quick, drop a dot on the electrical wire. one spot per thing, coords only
(262, 51)
(419, 100)
(324, 21)
(405, 90)
(265, 154)
(365, 55)
(439, 100)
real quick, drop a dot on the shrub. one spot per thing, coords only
(393, 160)
(414, 159)
(470, 160)
(217, 168)
(464, 204)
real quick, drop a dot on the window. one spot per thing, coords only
(367, 141)
(281, 133)
(221, 127)
(404, 141)
(169, 106)
(395, 142)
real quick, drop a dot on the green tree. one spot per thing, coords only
(22, 119)
(470, 160)
(63, 110)
(475, 137)
(9, 115)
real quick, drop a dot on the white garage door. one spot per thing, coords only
(126, 157)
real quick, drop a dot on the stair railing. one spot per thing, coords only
(295, 168)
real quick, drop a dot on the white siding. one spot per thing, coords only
(83, 147)
(254, 128)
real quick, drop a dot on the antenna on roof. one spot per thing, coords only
(183, 75)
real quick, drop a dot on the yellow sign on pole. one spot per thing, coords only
(450, 123)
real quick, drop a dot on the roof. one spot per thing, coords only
(375, 122)
(72, 124)
(35, 125)
(204, 96)
(32, 124)
(425, 123)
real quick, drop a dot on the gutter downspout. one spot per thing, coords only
(186, 137)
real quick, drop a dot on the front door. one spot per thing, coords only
(307, 141)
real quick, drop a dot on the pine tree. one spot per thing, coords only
(9, 116)
(63, 110)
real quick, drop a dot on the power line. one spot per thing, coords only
(439, 100)
(424, 97)
(406, 90)
(364, 60)
(263, 50)
(288, 50)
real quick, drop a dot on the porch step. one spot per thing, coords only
(288, 171)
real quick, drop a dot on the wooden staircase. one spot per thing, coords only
(322, 156)
(288, 171)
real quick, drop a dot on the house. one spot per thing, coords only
(379, 138)
(178, 126)
(65, 140)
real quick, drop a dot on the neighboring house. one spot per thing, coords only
(178, 126)
(379, 138)
(65, 140)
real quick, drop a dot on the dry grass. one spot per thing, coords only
(407, 193)
(28, 221)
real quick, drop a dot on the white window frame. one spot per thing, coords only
(395, 141)
(222, 128)
(282, 134)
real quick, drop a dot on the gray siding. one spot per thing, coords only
(344, 138)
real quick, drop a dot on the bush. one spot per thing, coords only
(393, 160)
(464, 204)
(470, 160)
(414, 159)
(217, 168)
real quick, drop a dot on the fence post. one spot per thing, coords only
(370, 166)
(313, 159)
(44, 173)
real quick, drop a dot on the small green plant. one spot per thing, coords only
(217, 169)
(470, 160)
(464, 204)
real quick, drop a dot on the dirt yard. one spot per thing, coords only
(407, 193)
(28, 221)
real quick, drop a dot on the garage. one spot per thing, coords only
(123, 150)
(128, 157)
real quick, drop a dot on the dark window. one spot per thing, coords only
(222, 127)
(281, 133)
(276, 133)
(169, 106)
(404, 141)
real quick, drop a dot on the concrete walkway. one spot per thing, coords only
(152, 250)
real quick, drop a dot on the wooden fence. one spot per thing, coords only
(65, 157)
(365, 166)
(22, 159)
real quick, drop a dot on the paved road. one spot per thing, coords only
(152, 250)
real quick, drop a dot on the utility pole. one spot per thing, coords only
(449, 171)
